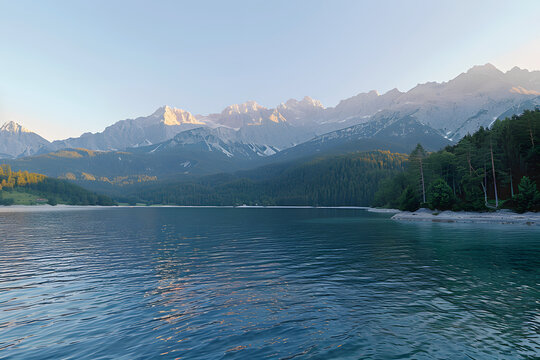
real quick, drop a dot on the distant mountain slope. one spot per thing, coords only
(457, 107)
(195, 152)
(17, 141)
(343, 180)
(518, 109)
(387, 131)
(162, 125)
(221, 140)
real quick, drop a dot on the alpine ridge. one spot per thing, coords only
(447, 110)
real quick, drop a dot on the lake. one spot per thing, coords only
(234, 283)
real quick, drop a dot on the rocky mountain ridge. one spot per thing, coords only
(452, 109)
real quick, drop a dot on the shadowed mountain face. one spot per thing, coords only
(387, 131)
(437, 111)
(221, 140)
(123, 167)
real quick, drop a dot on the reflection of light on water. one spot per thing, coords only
(239, 347)
(229, 292)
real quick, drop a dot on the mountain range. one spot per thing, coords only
(435, 114)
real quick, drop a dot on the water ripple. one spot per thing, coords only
(264, 284)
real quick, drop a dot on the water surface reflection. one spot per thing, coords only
(264, 283)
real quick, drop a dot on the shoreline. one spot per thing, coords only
(63, 207)
(46, 207)
(497, 217)
(424, 215)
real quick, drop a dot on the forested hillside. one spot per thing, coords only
(493, 168)
(330, 181)
(28, 188)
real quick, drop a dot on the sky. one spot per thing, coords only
(68, 67)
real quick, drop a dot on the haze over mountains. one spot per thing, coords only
(434, 114)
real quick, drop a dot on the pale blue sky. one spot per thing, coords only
(67, 67)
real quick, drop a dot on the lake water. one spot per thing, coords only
(202, 283)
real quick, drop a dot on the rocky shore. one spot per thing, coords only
(498, 217)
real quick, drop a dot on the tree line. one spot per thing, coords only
(493, 168)
(53, 190)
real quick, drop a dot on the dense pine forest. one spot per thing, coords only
(492, 168)
(329, 181)
(24, 187)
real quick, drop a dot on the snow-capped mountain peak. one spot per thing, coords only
(173, 116)
(244, 108)
(17, 141)
(14, 128)
(307, 103)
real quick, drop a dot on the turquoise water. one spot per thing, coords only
(168, 283)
